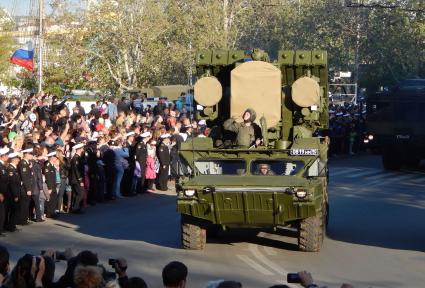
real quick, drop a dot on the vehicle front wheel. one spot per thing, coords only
(312, 230)
(194, 236)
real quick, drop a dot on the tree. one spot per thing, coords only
(7, 45)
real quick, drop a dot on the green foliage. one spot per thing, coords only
(125, 44)
(7, 45)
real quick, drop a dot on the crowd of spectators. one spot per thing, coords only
(85, 271)
(347, 123)
(55, 160)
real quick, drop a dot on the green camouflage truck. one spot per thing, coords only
(220, 185)
(395, 124)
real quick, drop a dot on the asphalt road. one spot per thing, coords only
(376, 236)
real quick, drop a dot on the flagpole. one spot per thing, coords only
(40, 46)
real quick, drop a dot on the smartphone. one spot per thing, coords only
(293, 278)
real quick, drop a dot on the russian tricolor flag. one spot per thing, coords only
(24, 57)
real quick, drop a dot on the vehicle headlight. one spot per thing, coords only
(189, 192)
(366, 141)
(300, 193)
(370, 137)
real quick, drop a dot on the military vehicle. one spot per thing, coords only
(395, 123)
(220, 185)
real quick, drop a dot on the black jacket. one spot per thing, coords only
(76, 172)
(3, 181)
(50, 175)
(27, 175)
(141, 153)
(14, 186)
(163, 155)
(38, 177)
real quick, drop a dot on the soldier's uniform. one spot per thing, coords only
(164, 161)
(50, 179)
(141, 155)
(92, 196)
(25, 171)
(3, 197)
(76, 178)
(14, 190)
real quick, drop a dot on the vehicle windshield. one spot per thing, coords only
(276, 167)
(221, 167)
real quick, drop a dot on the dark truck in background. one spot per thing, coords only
(396, 124)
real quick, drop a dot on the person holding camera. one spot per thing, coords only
(28, 273)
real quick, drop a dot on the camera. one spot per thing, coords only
(112, 262)
(59, 255)
(293, 278)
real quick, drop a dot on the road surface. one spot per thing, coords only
(376, 236)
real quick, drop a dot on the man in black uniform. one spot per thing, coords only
(91, 153)
(176, 140)
(3, 188)
(141, 155)
(25, 171)
(14, 190)
(51, 183)
(164, 161)
(76, 178)
(108, 158)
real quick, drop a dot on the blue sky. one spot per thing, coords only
(17, 7)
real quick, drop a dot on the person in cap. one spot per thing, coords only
(247, 133)
(4, 199)
(14, 190)
(76, 178)
(52, 176)
(164, 162)
(141, 154)
(27, 178)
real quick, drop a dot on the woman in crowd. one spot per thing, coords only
(150, 173)
(63, 186)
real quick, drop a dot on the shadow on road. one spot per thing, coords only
(151, 218)
(385, 215)
(280, 239)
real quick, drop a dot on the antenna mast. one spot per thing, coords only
(40, 46)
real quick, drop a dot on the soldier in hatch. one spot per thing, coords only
(248, 133)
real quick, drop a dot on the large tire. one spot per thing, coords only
(391, 159)
(312, 230)
(213, 230)
(194, 236)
